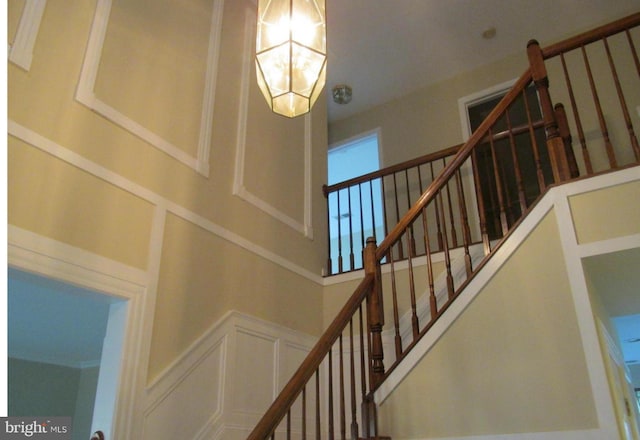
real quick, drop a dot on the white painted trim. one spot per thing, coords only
(21, 51)
(62, 153)
(85, 92)
(53, 259)
(305, 227)
(477, 98)
(585, 317)
(41, 255)
(54, 360)
(609, 246)
(344, 142)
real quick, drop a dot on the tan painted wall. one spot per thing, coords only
(152, 71)
(592, 213)
(517, 342)
(427, 120)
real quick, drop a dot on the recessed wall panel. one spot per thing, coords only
(163, 89)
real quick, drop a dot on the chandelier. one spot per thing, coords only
(291, 54)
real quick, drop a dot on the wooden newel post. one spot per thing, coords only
(555, 144)
(374, 314)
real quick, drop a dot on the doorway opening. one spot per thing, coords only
(497, 159)
(57, 338)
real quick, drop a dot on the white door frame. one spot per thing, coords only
(49, 258)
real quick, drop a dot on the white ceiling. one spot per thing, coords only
(385, 49)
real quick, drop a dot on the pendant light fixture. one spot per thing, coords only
(291, 54)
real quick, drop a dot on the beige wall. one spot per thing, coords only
(517, 342)
(427, 120)
(152, 70)
(592, 213)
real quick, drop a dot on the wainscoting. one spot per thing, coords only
(225, 381)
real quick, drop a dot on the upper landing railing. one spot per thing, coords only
(598, 74)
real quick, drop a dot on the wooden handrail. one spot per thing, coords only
(278, 409)
(591, 36)
(441, 154)
(458, 160)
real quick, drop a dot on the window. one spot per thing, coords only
(354, 213)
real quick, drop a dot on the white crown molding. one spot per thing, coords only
(58, 361)
(21, 51)
(239, 188)
(85, 92)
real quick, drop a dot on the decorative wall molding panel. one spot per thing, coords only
(62, 153)
(226, 392)
(239, 188)
(86, 90)
(21, 49)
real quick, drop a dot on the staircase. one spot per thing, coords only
(415, 274)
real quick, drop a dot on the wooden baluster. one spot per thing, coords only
(634, 53)
(363, 372)
(466, 232)
(565, 134)
(596, 101)
(559, 163)
(534, 146)
(352, 383)
(330, 392)
(289, 424)
(375, 315)
(395, 196)
(574, 107)
(412, 293)
(363, 365)
(499, 186)
(412, 243)
(454, 238)
(516, 166)
(339, 234)
(343, 425)
(362, 237)
(433, 306)
(384, 207)
(304, 413)
(486, 245)
(318, 426)
(326, 196)
(447, 256)
(623, 104)
(438, 225)
(373, 213)
(350, 213)
(394, 301)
